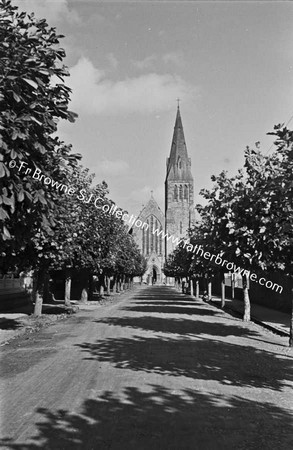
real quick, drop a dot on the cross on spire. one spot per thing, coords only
(178, 100)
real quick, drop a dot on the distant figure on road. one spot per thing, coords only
(205, 296)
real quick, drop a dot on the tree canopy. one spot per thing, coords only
(33, 98)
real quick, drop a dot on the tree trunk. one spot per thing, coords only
(38, 304)
(102, 285)
(84, 295)
(191, 286)
(291, 322)
(246, 315)
(209, 290)
(233, 286)
(222, 290)
(67, 287)
(39, 292)
(197, 289)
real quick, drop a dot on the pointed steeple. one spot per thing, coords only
(178, 164)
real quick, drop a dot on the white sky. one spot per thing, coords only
(231, 64)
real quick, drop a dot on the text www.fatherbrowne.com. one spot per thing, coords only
(218, 259)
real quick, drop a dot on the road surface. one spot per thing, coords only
(156, 369)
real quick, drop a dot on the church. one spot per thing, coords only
(178, 214)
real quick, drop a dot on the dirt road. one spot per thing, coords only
(154, 370)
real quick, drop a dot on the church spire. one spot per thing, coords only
(178, 164)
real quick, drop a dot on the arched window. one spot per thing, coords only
(175, 193)
(181, 228)
(148, 238)
(186, 192)
(152, 234)
(180, 192)
(179, 163)
(153, 238)
(155, 235)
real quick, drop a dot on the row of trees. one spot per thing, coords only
(46, 218)
(247, 219)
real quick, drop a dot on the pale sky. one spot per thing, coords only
(230, 63)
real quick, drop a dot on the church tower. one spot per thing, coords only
(179, 209)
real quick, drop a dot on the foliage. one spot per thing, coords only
(33, 97)
(178, 263)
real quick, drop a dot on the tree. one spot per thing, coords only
(224, 227)
(33, 97)
(250, 216)
(273, 180)
(178, 264)
(76, 237)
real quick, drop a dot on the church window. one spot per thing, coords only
(156, 238)
(161, 240)
(175, 193)
(180, 192)
(148, 238)
(186, 192)
(179, 163)
(152, 233)
(180, 227)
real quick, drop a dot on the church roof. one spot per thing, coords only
(153, 208)
(178, 164)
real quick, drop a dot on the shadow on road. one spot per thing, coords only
(190, 348)
(200, 359)
(159, 418)
(168, 301)
(195, 415)
(169, 309)
(182, 327)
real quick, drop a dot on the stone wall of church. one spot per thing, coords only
(179, 212)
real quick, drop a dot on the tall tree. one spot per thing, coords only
(33, 97)
(273, 181)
